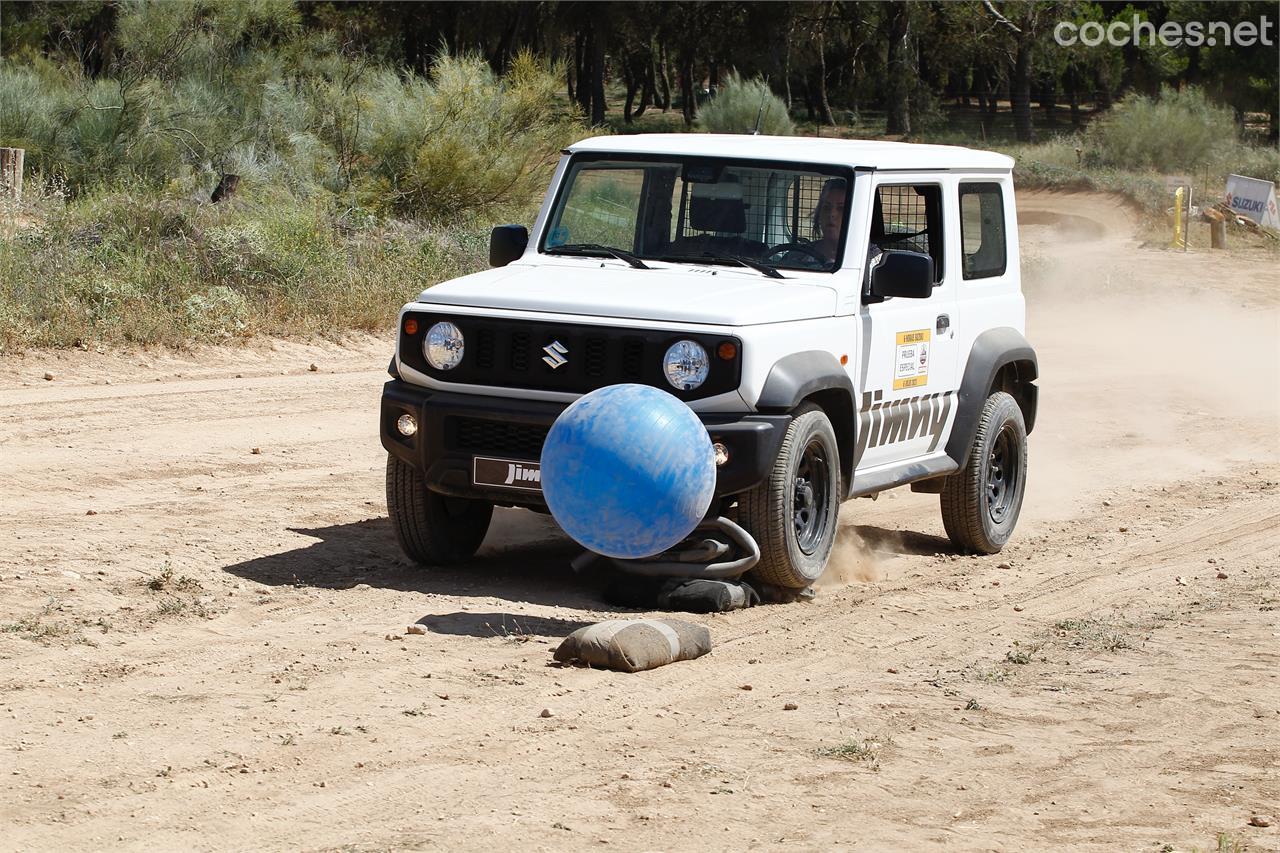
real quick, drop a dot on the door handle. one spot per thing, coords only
(944, 323)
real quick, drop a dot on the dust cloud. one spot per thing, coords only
(1150, 365)
(852, 561)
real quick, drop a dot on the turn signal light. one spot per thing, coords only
(411, 326)
(727, 351)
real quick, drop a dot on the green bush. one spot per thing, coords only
(199, 90)
(1175, 132)
(738, 106)
(465, 140)
(360, 185)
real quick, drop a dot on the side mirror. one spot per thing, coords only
(900, 273)
(506, 243)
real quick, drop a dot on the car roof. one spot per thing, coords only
(800, 149)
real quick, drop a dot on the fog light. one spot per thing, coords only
(407, 425)
(722, 453)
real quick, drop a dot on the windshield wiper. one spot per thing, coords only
(759, 267)
(580, 248)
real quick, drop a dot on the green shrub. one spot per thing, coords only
(1175, 132)
(738, 106)
(466, 140)
(218, 312)
(1255, 162)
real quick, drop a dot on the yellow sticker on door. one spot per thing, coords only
(911, 360)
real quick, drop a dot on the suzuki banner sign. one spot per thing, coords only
(1253, 198)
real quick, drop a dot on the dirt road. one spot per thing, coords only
(197, 580)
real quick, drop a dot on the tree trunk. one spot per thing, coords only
(1104, 89)
(897, 117)
(823, 103)
(646, 86)
(598, 29)
(1020, 92)
(1048, 99)
(575, 88)
(632, 85)
(1073, 94)
(988, 102)
(786, 67)
(688, 104)
(11, 173)
(664, 77)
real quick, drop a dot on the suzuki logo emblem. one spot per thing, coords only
(555, 354)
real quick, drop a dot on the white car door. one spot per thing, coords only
(908, 375)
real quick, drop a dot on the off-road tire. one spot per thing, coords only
(981, 501)
(771, 513)
(432, 529)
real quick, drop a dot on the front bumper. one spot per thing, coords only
(455, 428)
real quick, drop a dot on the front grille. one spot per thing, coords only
(502, 353)
(496, 438)
(520, 352)
(484, 349)
(595, 357)
(632, 358)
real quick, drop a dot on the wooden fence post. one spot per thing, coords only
(11, 173)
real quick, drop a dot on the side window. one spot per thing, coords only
(982, 230)
(908, 217)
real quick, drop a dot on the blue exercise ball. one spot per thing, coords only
(628, 471)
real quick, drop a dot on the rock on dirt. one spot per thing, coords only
(1260, 820)
(416, 629)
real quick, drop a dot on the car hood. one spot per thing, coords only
(724, 296)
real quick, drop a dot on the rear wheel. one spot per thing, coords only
(981, 501)
(793, 514)
(432, 529)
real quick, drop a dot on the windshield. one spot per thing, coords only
(703, 210)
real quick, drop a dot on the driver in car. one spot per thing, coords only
(828, 221)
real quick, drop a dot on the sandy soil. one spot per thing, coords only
(197, 580)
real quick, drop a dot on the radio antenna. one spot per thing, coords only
(760, 112)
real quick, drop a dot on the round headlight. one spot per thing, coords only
(443, 346)
(686, 365)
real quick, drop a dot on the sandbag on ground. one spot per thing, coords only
(633, 645)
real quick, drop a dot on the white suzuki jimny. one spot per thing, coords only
(845, 317)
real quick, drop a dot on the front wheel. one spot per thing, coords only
(793, 514)
(981, 501)
(432, 529)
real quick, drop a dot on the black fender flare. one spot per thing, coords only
(801, 375)
(993, 350)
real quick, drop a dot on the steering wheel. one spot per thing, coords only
(802, 248)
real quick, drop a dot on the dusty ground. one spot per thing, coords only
(193, 651)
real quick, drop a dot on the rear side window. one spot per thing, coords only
(982, 230)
